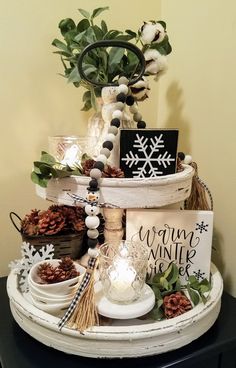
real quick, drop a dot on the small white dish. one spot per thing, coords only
(61, 288)
(138, 308)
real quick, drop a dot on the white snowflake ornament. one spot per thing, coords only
(30, 256)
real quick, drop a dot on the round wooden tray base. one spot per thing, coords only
(125, 338)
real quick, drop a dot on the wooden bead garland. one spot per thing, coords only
(96, 172)
(84, 297)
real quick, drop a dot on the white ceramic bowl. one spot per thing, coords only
(63, 288)
(54, 309)
(51, 300)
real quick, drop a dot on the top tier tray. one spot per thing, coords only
(124, 192)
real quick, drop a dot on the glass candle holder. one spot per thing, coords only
(68, 150)
(123, 268)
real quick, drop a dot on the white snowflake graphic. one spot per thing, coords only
(145, 160)
(202, 227)
(199, 275)
(29, 257)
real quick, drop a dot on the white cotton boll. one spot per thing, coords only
(140, 91)
(155, 61)
(152, 32)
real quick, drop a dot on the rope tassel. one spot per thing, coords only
(81, 313)
(197, 199)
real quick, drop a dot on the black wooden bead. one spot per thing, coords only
(181, 156)
(121, 97)
(115, 122)
(93, 184)
(141, 124)
(129, 100)
(92, 243)
(99, 165)
(108, 144)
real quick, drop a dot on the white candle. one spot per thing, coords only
(121, 277)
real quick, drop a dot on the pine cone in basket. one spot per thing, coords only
(50, 222)
(176, 304)
(29, 224)
(64, 271)
(74, 217)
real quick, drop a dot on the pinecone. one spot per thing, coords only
(112, 172)
(74, 217)
(50, 222)
(29, 224)
(87, 166)
(64, 271)
(176, 304)
(46, 273)
(179, 165)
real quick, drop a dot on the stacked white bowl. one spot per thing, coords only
(53, 298)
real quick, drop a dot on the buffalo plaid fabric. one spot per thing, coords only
(83, 285)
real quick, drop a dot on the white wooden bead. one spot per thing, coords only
(117, 114)
(137, 117)
(102, 158)
(123, 80)
(95, 174)
(105, 151)
(123, 89)
(113, 129)
(91, 210)
(133, 109)
(93, 252)
(188, 159)
(110, 137)
(92, 222)
(120, 105)
(92, 233)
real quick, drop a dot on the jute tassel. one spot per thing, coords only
(198, 199)
(85, 314)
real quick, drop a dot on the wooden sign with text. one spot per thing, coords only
(182, 237)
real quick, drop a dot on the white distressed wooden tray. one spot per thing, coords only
(129, 338)
(124, 192)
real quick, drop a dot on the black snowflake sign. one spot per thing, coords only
(148, 153)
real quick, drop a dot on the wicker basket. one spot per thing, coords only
(70, 244)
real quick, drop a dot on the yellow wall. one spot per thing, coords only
(196, 95)
(36, 102)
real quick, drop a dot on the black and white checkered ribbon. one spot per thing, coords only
(82, 288)
(86, 201)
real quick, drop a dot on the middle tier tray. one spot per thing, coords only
(124, 192)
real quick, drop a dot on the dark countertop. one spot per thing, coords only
(19, 350)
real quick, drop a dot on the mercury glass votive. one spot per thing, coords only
(123, 268)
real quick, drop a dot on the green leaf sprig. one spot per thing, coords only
(100, 64)
(48, 168)
(168, 282)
